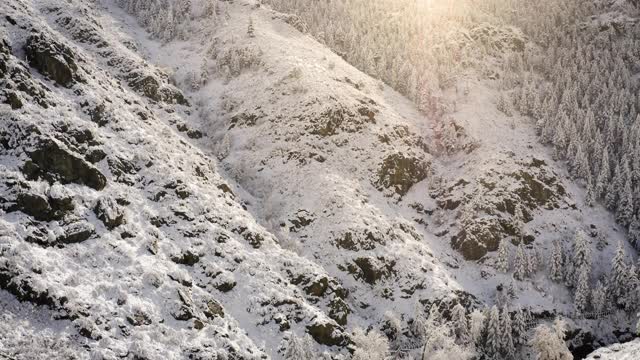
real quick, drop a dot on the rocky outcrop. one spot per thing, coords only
(53, 206)
(400, 172)
(327, 333)
(109, 212)
(52, 58)
(155, 89)
(53, 162)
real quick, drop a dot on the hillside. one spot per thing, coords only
(206, 180)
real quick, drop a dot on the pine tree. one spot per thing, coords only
(634, 232)
(624, 213)
(459, 324)
(599, 298)
(493, 343)
(506, 342)
(619, 272)
(520, 266)
(632, 300)
(580, 300)
(519, 328)
(557, 263)
(502, 262)
(476, 326)
(581, 256)
(590, 198)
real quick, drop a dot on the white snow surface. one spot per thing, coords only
(279, 181)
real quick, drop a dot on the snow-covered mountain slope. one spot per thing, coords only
(201, 194)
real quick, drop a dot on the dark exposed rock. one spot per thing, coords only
(224, 285)
(327, 334)
(95, 155)
(318, 287)
(76, 232)
(45, 208)
(151, 87)
(52, 59)
(109, 212)
(354, 241)
(371, 270)
(213, 309)
(336, 119)
(400, 173)
(339, 311)
(35, 205)
(23, 289)
(186, 258)
(139, 318)
(185, 310)
(55, 163)
(123, 169)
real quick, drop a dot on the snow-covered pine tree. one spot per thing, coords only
(460, 324)
(502, 262)
(581, 256)
(590, 197)
(476, 326)
(633, 290)
(599, 298)
(520, 264)
(619, 273)
(556, 271)
(507, 347)
(518, 221)
(519, 333)
(532, 263)
(581, 296)
(624, 212)
(634, 232)
(493, 343)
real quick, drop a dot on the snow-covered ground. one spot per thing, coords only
(291, 193)
(627, 351)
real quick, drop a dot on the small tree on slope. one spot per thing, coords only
(460, 324)
(580, 300)
(519, 328)
(507, 348)
(493, 342)
(618, 283)
(502, 263)
(520, 265)
(557, 263)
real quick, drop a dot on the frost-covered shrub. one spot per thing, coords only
(168, 19)
(236, 59)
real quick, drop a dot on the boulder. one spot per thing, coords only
(400, 172)
(52, 59)
(76, 232)
(327, 333)
(54, 163)
(109, 212)
(53, 206)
